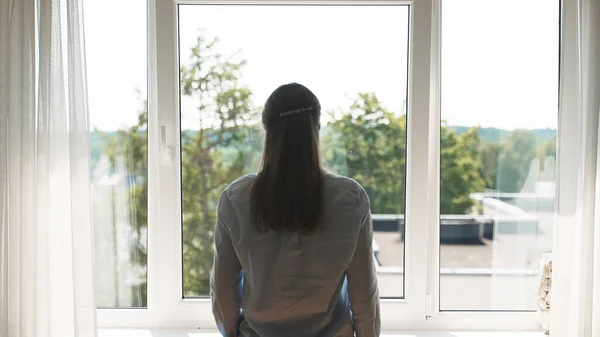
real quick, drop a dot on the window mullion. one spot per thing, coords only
(433, 210)
(418, 160)
(164, 253)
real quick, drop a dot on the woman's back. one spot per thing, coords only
(294, 245)
(295, 285)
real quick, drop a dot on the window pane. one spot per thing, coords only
(355, 60)
(116, 65)
(498, 146)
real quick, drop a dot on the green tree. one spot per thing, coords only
(224, 114)
(461, 172)
(220, 150)
(368, 143)
(547, 149)
(514, 161)
(507, 163)
(489, 159)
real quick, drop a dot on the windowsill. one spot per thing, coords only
(197, 333)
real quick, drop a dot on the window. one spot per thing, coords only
(388, 74)
(116, 61)
(226, 75)
(499, 109)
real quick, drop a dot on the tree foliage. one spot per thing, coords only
(223, 113)
(368, 143)
(461, 171)
(514, 160)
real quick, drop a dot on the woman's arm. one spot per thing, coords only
(227, 275)
(362, 279)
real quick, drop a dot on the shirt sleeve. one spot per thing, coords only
(227, 275)
(362, 279)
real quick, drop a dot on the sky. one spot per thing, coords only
(499, 57)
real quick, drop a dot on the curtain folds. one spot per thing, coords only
(46, 254)
(576, 252)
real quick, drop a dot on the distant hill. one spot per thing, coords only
(493, 135)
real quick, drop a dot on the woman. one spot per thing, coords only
(293, 244)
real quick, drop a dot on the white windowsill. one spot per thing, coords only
(198, 333)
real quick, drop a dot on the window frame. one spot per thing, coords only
(166, 307)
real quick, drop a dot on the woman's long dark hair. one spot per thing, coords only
(287, 194)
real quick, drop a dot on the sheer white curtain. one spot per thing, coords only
(576, 266)
(46, 251)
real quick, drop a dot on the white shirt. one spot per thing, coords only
(286, 284)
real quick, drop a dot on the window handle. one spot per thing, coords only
(164, 148)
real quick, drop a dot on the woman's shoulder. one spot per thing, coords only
(341, 183)
(240, 185)
(243, 180)
(342, 180)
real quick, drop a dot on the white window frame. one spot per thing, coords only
(419, 308)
